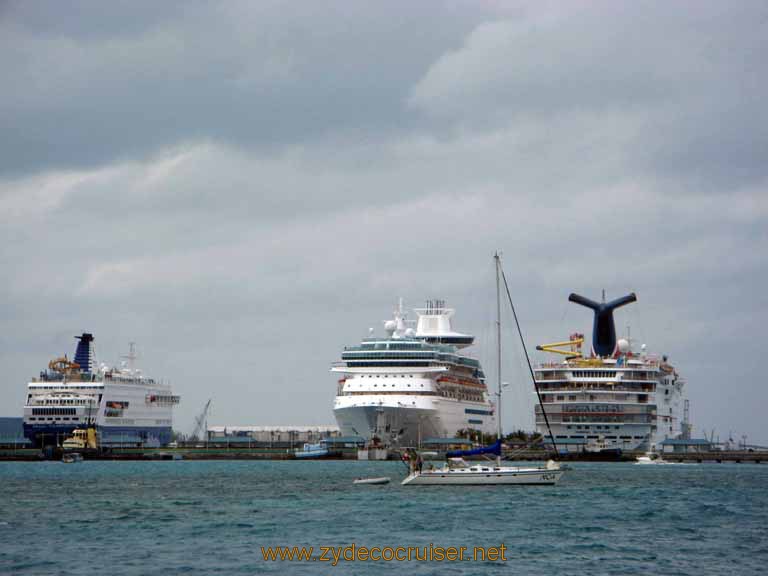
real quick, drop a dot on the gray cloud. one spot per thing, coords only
(688, 81)
(246, 189)
(259, 74)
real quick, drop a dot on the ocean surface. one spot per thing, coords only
(144, 518)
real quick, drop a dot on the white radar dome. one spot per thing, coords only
(410, 333)
(623, 346)
(390, 325)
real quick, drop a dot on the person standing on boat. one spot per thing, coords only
(413, 460)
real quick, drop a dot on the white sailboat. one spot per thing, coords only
(458, 471)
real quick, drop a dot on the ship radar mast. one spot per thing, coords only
(396, 328)
(131, 356)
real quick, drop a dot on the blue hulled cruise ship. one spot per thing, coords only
(125, 407)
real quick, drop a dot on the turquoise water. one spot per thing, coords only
(137, 518)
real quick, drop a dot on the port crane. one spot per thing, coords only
(201, 421)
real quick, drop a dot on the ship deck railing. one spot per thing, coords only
(597, 388)
(597, 364)
(622, 376)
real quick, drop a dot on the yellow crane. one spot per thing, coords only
(573, 347)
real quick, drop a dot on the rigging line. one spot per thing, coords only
(528, 360)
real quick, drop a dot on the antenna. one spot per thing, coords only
(131, 356)
(497, 259)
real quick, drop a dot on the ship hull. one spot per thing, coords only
(410, 426)
(47, 435)
(53, 435)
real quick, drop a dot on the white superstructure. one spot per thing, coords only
(615, 398)
(413, 384)
(125, 407)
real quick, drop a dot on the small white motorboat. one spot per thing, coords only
(651, 458)
(72, 458)
(381, 480)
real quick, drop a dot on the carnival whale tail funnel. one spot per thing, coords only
(603, 329)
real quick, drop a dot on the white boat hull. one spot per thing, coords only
(645, 460)
(485, 477)
(382, 480)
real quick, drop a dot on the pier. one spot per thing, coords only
(350, 452)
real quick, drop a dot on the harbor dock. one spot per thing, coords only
(254, 452)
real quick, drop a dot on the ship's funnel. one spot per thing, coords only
(84, 352)
(603, 329)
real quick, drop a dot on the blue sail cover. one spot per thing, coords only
(494, 448)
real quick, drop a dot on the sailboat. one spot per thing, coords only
(458, 471)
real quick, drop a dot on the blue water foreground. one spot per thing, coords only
(214, 517)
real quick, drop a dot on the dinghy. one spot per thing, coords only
(381, 480)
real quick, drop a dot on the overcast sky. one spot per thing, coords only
(243, 188)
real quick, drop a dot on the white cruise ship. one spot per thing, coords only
(413, 384)
(614, 399)
(125, 407)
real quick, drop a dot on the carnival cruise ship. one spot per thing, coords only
(616, 398)
(125, 407)
(412, 384)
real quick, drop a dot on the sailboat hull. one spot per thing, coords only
(485, 477)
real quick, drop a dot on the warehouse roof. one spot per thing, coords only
(236, 429)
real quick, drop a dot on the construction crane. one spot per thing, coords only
(201, 421)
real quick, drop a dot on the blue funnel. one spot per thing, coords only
(603, 329)
(84, 352)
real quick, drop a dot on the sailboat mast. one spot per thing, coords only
(528, 361)
(497, 259)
